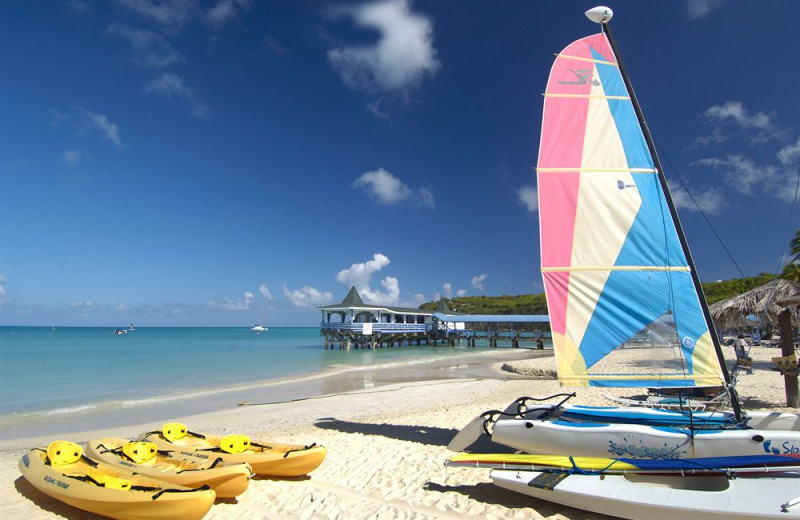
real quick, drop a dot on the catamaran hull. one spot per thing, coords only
(657, 417)
(638, 441)
(627, 415)
(663, 497)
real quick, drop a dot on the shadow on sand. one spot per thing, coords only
(52, 505)
(430, 435)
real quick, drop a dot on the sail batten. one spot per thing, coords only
(588, 170)
(617, 268)
(590, 60)
(586, 96)
(614, 272)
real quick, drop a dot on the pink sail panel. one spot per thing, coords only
(563, 131)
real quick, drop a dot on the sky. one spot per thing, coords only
(228, 162)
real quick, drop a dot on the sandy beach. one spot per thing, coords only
(387, 447)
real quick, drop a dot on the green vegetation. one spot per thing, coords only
(522, 304)
(791, 271)
(537, 304)
(718, 291)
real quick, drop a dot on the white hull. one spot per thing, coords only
(628, 415)
(665, 498)
(623, 414)
(637, 441)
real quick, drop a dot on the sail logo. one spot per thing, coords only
(626, 448)
(688, 342)
(582, 77)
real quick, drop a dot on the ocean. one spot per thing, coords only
(68, 379)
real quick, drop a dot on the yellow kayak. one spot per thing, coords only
(64, 473)
(226, 479)
(266, 458)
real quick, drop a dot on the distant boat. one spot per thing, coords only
(118, 332)
(132, 327)
(259, 328)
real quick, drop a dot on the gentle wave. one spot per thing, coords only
(460, 361)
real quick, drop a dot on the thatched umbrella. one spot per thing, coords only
(761, 301)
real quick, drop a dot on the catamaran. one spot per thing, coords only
(617, 269)
(615, 266)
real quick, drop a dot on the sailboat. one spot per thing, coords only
(619, 278)
(616, 267)
(259, 327)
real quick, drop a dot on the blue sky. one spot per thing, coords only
(192, 162)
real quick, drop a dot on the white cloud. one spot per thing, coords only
(83, 306)
(170, 14)
(477, 282)
(71, 157)
(78, 6)
(742, 173)
(225, 10)
(448, 290)
(360, 275)
(171, 85)
(227, 304)
(400, 59)
(790, 154)
(3, 291)
(388, 190)
(107, 128)
(529, 197)
(700, 8)
(461, 292)
(85, 121)
(265, 292)
(150, 49)
(709, 201)
(733, 118)
(307, 296)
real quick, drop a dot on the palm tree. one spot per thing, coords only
(795, 245)
(791, 271)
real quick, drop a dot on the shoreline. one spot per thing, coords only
(333, 380)
(386, 449)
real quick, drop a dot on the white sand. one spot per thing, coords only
(386, 451)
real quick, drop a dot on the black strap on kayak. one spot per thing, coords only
(204, 488)
(212, 466)
(286, 454)
(161, 434)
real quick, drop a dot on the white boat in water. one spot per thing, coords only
(259, 328)
(617, 268)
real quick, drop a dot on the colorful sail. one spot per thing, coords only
(614, 272)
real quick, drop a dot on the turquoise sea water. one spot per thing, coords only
(71, 376)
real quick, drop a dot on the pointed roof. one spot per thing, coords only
(353, 299)
(444, 308)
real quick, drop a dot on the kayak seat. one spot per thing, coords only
(140, 452)
(60, 453)
(106, 480)
(174, 431)
(234, 443)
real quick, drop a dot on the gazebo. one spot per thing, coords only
(763, 302)
(777, 303)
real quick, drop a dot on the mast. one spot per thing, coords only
(603, 21)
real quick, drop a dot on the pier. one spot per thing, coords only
(353, 324)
